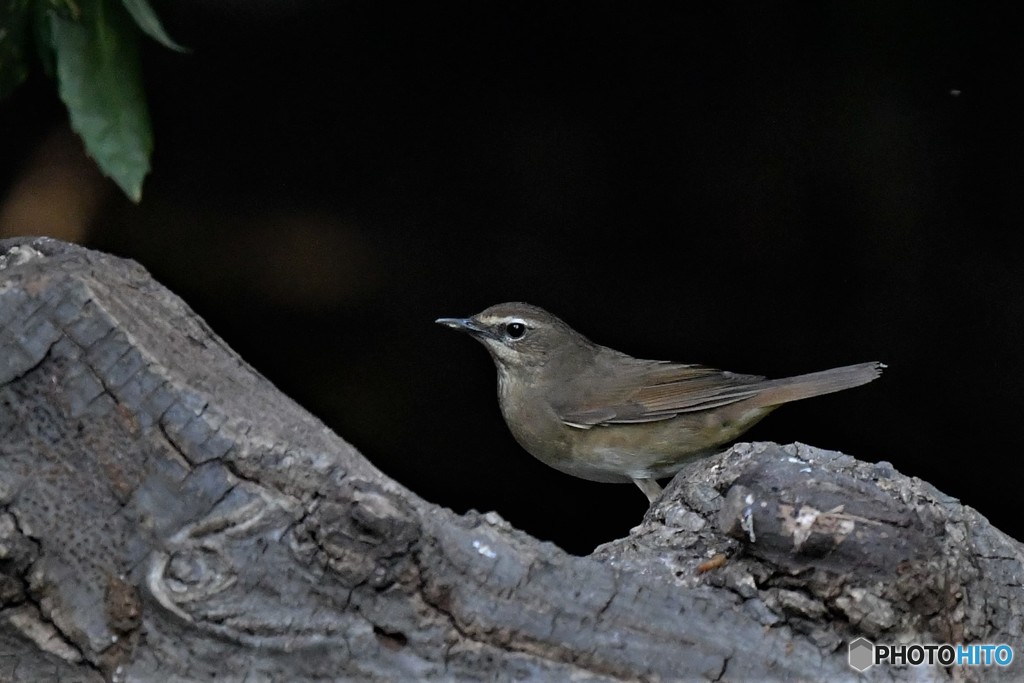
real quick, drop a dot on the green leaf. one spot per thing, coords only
(42, 31)
(14, 41)
(67, 9)
(147, 20)
(100, 81)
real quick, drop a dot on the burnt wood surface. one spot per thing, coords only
(167, 515)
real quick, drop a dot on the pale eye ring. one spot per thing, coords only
(515, 330)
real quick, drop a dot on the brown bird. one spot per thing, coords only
(602, 415)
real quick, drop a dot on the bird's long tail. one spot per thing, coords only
(779, 391)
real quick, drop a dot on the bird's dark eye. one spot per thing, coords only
(515, 330)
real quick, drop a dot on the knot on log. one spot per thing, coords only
(362, 536)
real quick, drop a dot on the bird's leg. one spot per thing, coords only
(650, 487)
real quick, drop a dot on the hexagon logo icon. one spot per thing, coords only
(862, 654)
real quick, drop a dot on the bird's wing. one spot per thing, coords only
(650, 391)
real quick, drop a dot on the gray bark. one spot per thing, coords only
(167, 515)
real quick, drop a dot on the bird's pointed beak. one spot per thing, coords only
(461, 324)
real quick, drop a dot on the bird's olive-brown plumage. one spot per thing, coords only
(599, 414)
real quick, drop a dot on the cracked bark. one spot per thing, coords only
(167, 515)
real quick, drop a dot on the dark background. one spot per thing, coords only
(773, 190)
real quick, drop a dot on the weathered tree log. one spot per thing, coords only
(167, 515)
